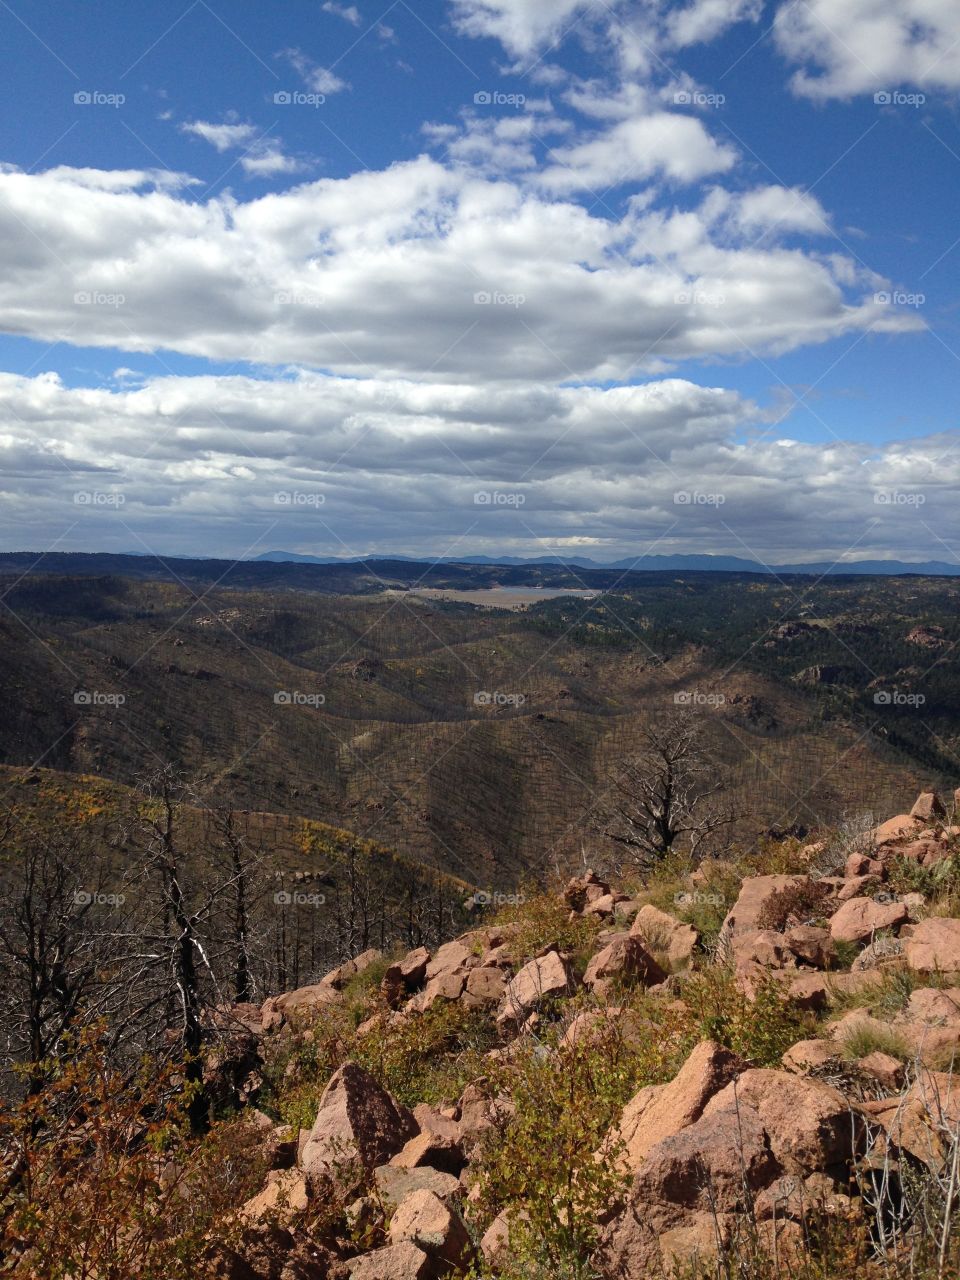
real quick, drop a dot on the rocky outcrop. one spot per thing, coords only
(358, 1127)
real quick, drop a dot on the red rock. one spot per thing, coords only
(281, 1200)
(429, 1150)
(928, 808)
(811, 945)
(903, 827)
(858, 919)
(583, 889)
(660, 1111)
(934, 946)
(885, 1069)
(546, 978)
(396, 1262)
(358, 1125)
(755, 894)
(660, 932)
(427, 1222)
(624, 961)
(395, 1185)
(686, 1194)
(764, 947)
(809, 1055)
(453, 958)
(811, 1126)
(485, 985)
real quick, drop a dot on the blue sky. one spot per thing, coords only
(679, 277)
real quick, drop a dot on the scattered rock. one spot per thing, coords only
(624, 961)
(860, 918)
(934, 946)
(358, 1127)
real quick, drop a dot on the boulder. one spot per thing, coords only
(394, 1185)
(282, 1198)
(303, 1000)
(436, 1122)
(453, 958)
(811, 945)
(755, 895)
(430, 1150)
(860, 918)
(352, 968)
(670, 938)
(686, 1193)
(485, 985)
(413, 967)
(624, 961)
(934, 946)
(928, 808)
(902, 827)
(583, 889)
(424, 1220)
(887, 1071)
(495, 1245)
(403, 1261)
(660, 1111)
(811, 1126)
(358, 1127)
(764, 947)
(810, 1055)
(546, 978)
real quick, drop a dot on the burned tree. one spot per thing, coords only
(667, 797)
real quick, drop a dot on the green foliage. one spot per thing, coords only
(760, 1030)
(542, 920)
(864, 1039)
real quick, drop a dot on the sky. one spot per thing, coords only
(525, 277)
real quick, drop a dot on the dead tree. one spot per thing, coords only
(667, 796)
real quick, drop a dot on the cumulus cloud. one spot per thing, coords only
(416, 270)
(870, 46)
(262, 156)
(345, 466)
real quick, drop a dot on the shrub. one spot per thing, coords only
(864, 1039)
(760, 1030)
(802, 900)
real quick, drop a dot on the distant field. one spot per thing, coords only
(499, 597)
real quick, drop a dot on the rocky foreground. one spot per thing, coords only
(855, 1122)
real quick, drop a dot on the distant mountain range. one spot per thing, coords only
(692, 563)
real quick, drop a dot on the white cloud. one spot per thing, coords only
(870, 46)
(380, 270)
(348, 12)
(262, 156)
(317, 79)
(522, 26)
(199, 462)
(222, 136)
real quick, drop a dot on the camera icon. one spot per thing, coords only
(482, 699)
(483, 499)
(482, 299)
(282, 98)
(82, 899)
(483, 99)
(282, 698)
(883, 98)
(82, 499)
(682, 98)
(883, 298)
(681, 498)
(882, 698)
(83, 699)
(81, 299)
(83, 98)
(482, 898)
(282, 898)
